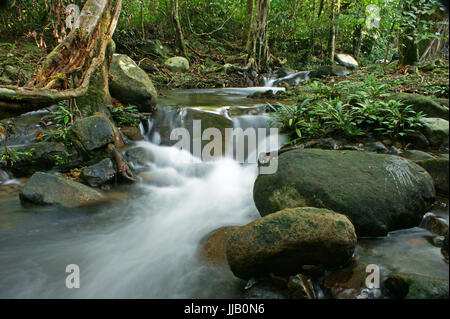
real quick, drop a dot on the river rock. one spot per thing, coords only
(435, 224)
(378, 192)
(436, 130)
(177, 64)
(420, 103)
(413, 286)
(98, 174)
(438, 169)
(133, 133)
(93, 132)
(47, 189)
(415, 155)
(213, 247)
(38, 157)
(377, 147)
(347, 61)
(281, 243)
(130, 84)
(139, 156)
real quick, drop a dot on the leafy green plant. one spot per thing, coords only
(397, 119)
(63, 118)
(11, 156)
(340, 117)
(124, 116)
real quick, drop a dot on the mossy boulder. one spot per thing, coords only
(329, 70)
(93, 132)
(48, 189)
(438, 169)
(378, 192)
(436, 130)
(130, 84)
(416, 155)
(420, 103)
(281, 243)
(41, 156)
(177, 64)
(413, 286)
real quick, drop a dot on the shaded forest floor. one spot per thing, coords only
(19, 60)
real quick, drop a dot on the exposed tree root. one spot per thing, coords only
(75, 59)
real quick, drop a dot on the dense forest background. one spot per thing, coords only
(299, 32)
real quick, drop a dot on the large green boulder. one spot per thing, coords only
(378, 192)
(47, 189)
(438, 169)
(420, 103)
(130, 84)
(329, 70)
(283, 242)
(93, 132)
(436, 130)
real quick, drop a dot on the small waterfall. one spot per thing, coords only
(5, 179)
(145, 246)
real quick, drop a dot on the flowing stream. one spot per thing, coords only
(144, 246)
(145, 243)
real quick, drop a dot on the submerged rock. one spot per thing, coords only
(139, 156)
(413, 286)
(93, 132)
(281, 243)
(130, 84)
(436, 130)
(379, 193)
(350, 283)
(177, 64)
(438, 169)
(47, 189)
(98, 174)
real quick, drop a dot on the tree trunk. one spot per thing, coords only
(248, 24)
(312, 39)
(175, 13)
(357, 41)
(77, 69)
(408, 49)
(259, 48)
(332, 41)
